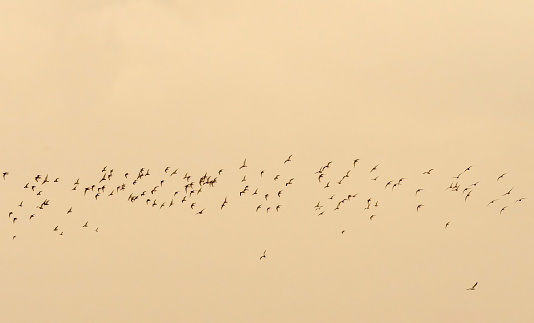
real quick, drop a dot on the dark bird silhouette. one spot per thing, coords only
(55, 229)
(420, 205)
(69, 211)
(288, 159)
(492, 201)
(508, 193)
(200, 212)
(21, 203)
(263, 256)
(501, 176)
(373, 169)
(244, 164)
(4, 174)
(15, 219)
(428, 171)
(473, 288)
(355, 161)
(521, 199)
(503, 209)
(418, 190)
(446, 225)
(85, 225)
(290, 181)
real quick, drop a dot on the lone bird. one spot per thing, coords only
(263, 256)
(244, 164)
(473, 288)
(428, 171)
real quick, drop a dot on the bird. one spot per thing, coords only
(501, 176)
(468, 194)
(503, 209)
(492, 201)
(521, 199)
(55, 229)
(288, 159)
(342, 231)
(418, 190)
(446, 225)
(263, 256)
(290, 181)
(508, 193)
(69, 211)
(355, 161)
(420, 205)
(371, 217)
(473, 288)
(373, 169)
(21, 203)
(85, 225)
(200, 212)
(468, 168)
(4, 174)
(428, 171)
(15, 219)
(244, 164)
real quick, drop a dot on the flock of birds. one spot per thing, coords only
(137, 187)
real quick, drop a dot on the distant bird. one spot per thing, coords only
(278, 207)
(244, 164)
(15, 219)
(374, 179)
(521, 199)
(276, 177)
(288, 159)
(468, 168)
(473, 288)
(55, 229)
(446, 225)
(428, 171)
(279, 193)
(200, 212)
(468, 194)
(69, 211)
(342, 231)
(290, 181)
(258, 207)
(263, 256)
(21, 203)
(355, 161)
(261, 173)
(373, 169)
(503, 209)
(4, 174)
(420, 205)
(418, 190)
(96, 230)
(85, 225)
(501, 176)
(371, 217)
(492, 201)
(508, 193)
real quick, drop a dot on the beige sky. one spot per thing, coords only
(202, 85)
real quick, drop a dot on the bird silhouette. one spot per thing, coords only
(473, 288)
(263, 256)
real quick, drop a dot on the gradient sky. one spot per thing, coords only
(202, 85)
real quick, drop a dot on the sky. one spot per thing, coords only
(200, 86)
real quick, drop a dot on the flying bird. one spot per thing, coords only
(288, 159)
(420, 205)
(263, 256)
(501, 176)
(244, 164)
(473, 288)
(428, 171)
(373, 169)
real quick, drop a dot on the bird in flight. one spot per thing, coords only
(288, 159)
(508, 193)
(473, 288)
(418, 190)
(4, 174)
(420, 205)
(447, 224)
(355, 161)
(492, 201)
(263, 256)
(371, 217)
(503, 209)
(244, 164)
(501, 176)
(373, 169)
(521, 199)
(428, 171)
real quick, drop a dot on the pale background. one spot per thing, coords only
(201, 85)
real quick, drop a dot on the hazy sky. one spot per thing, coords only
(202, 85)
